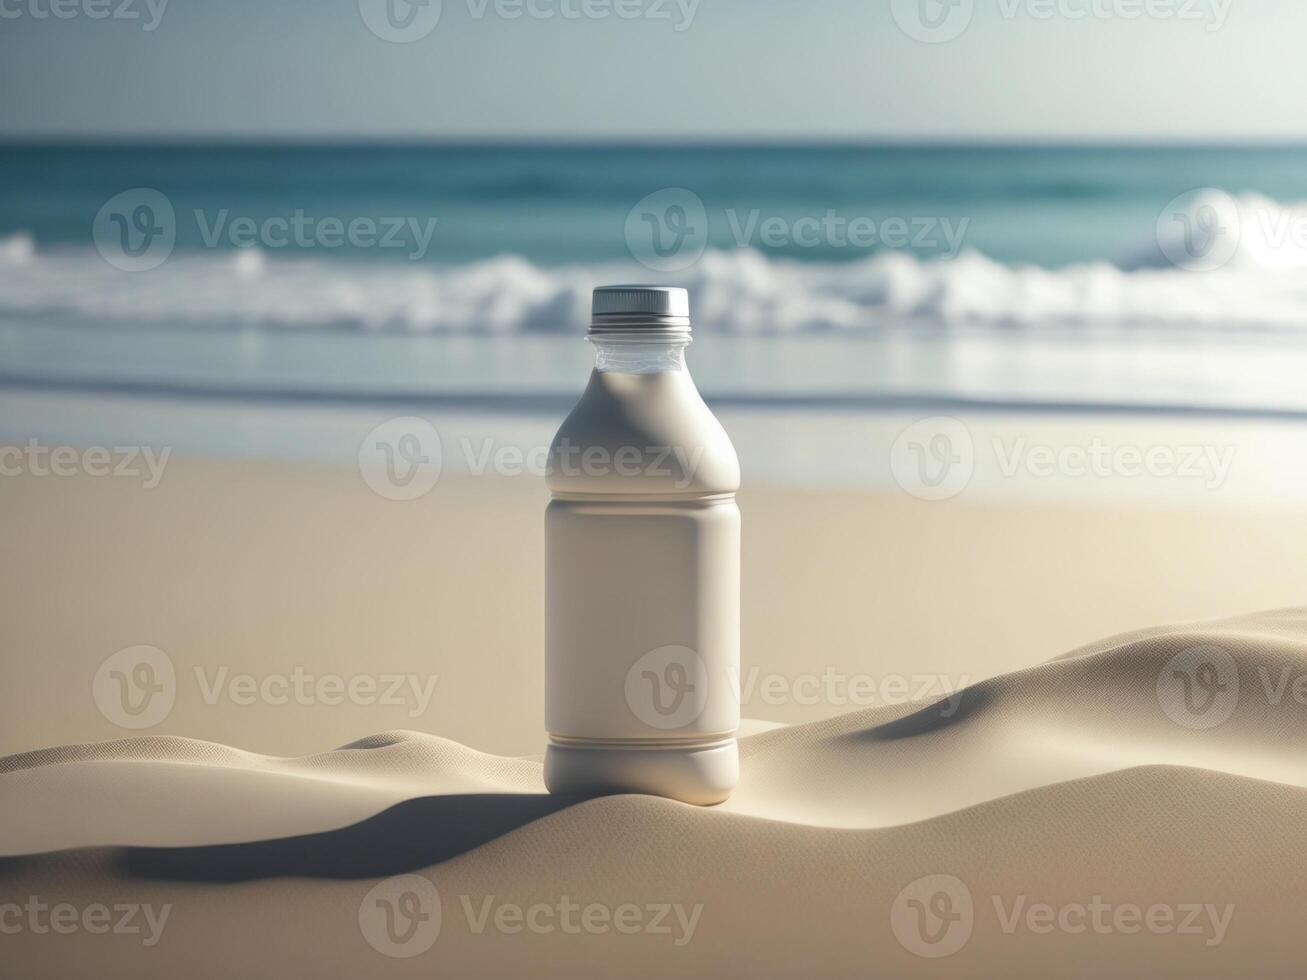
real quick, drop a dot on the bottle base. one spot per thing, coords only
(701, 775)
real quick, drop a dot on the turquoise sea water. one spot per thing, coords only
(556, 205)
(860, 276)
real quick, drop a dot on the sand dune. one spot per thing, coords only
(1133, 808)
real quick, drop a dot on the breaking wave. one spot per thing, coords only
(1251, 277)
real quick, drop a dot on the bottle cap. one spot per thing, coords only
(654, 309)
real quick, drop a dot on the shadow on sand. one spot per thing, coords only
(932, 718)
(409, 836)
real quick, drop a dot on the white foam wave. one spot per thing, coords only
(1208, 228)
(1257, 281)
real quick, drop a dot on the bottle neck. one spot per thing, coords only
(644, 354)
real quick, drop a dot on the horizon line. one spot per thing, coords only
(681, 141)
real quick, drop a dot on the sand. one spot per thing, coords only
(1133, 807)
(852, 598)
(1158, 844)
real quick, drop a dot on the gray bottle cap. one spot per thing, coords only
(645, 308)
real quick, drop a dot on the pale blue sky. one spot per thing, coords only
(1022, 69)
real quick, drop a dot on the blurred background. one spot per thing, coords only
(1002, 302)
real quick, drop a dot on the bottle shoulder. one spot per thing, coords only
(642, 434)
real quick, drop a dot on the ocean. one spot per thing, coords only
(772, 239)
(456, 278)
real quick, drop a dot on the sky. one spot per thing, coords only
(1001, 70)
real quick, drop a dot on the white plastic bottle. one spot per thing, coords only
(642, 566)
